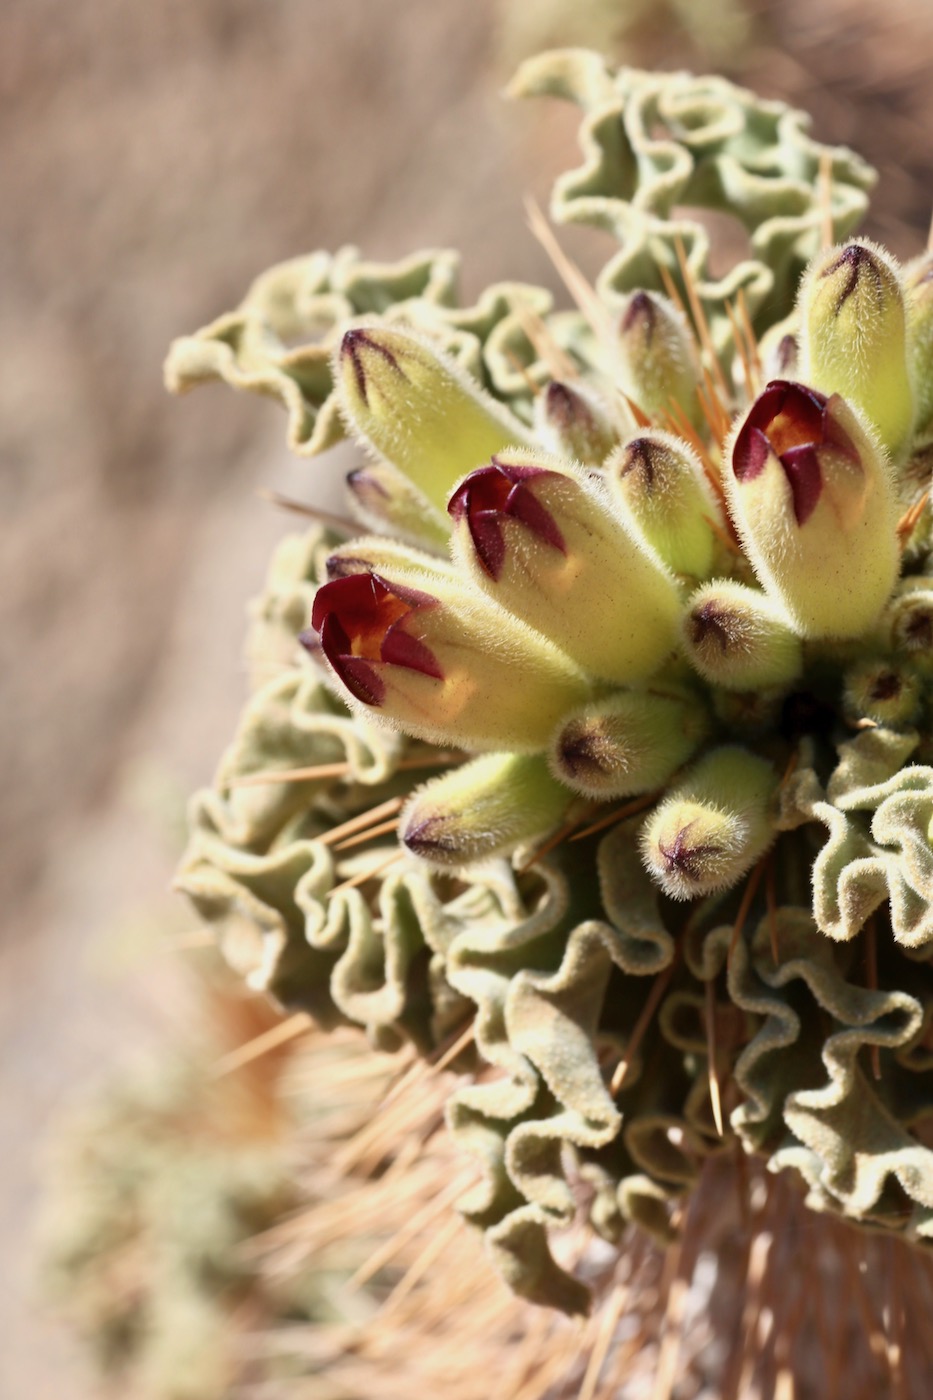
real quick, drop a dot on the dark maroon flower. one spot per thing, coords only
(362, 620)
(493, 494)
(796, 424)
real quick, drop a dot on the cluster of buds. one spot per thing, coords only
(674, 593)
(605, 580)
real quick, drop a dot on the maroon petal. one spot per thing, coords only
(802, 469)
(360, 618)
(490, 496)
(401, 649)
(750, 452)
(361, 679)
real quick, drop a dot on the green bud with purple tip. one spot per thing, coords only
(853, 337)
(573, 423)
(658, 482)
(657, 364)
(418, 409)
(739, 638)
(714, 826)
(629, 743)
(484, 808)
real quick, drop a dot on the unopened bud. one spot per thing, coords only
(778, 350)
(376, 554)
(418, 409)
(657, 361)
(482, 809)
(629, 743)
(814, 503)
(853, 337)
(540, 537)
(918, 279)
(659, 482)
(714, 826)
(885, 693)
(571, 422)
(440, 662)
(740, 639)
(382, 498)
(908, 621)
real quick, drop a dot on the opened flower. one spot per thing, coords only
(813, 500)
(440, 663)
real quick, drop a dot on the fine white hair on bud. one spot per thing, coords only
(713, 827)
(540, 536)
(739, 638)
(656, 356)
(381, 498)
(853, 336)
(658, 481)
(631, 742)
(884, 692)
(437, 660)
(484, 808)
(416, 407)
(572, 422)
(814, 503)
(918, 283)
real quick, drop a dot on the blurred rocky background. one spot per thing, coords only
(154, 159)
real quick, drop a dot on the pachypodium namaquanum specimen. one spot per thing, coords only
(648, 585)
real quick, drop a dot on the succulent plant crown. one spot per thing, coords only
(650, 583)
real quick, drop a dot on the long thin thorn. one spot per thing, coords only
(715, 1096)
(905, 526)
(651, 1005)
(750, 337)
(748, 894)
(549, 845)
(382, 829)
(699, 317)
(337, 770)
(573, 279)
(270, 1040)
(629, 810)
(558, 362)
(363, 819)
(365, 875)
(337, 522)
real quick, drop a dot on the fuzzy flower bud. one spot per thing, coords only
(418, 409)
(571, 422)
(813, 501)
(441, 663)
(541, 539)
(877, 690)
(908, 621)
(482, 809)
(379, 554)
(778, 350)
(628, 743)
(918, 278)
(383, 499)
(740, 639)
(659, 482)
(657, 362)
(713, 827)
(853, 337)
